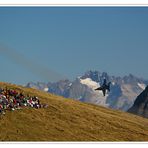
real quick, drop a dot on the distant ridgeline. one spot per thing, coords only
(124, 90)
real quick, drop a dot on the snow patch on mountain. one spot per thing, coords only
(90, 83)
(113, 83)
(142, 86)
(70, 84)
(46, 89)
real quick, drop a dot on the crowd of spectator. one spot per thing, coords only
(11, 99)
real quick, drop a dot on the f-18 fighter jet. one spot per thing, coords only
(104, 87)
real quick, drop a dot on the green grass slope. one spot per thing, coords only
(69, 120)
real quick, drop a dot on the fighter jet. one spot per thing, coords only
(104, 87)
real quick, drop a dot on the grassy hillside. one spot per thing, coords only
(69, 120)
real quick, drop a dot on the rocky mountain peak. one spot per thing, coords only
(140, 106)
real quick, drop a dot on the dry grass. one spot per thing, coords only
(69, 120)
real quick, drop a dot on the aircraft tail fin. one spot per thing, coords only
(108, 87)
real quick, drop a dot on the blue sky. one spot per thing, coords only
(67, 41)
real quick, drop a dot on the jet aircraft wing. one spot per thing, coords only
(99, 88)
(104, 91)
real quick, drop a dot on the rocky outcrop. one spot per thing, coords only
(140, 106)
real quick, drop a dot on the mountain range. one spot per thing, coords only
(124, 90)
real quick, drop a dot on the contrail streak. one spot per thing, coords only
(32, 66)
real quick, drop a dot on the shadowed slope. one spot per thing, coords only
(70, 120)
(140, 106)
